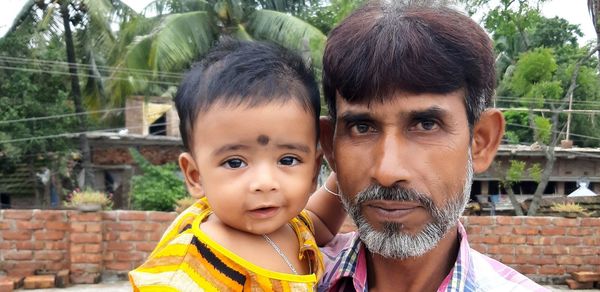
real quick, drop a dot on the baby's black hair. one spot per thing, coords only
(248, 73)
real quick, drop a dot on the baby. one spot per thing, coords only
(249, 115)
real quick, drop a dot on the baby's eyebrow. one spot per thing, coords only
(295, 146)
(229, 147)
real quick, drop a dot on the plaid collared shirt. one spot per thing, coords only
(346, 269)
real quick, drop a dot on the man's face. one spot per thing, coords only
(404, 169)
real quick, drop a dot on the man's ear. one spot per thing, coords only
(487, 135)
(327, 131)
(191, 173)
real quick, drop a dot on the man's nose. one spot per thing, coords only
(264, 179)
(392, 160)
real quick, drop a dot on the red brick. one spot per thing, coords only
(49, 215)
(474, 229)
(6, 285)
(86, 258)
(77, 227)
(149, 246)
(577, 285)
(509, 220)
(582, 231)
(62, 278)
(37, 282)
(118, 266)
(553, 231)
(481, 220)
(16, 235)
(29, 225)
(18, 214)
(586, 222)
(538, 221)
(155, 236)
(132, 216)
(118, 226)
(526, 269)
(161, 216)
(513, 239)
(591, 240)
(502, 230)
(501, 249)
(76, 248)
(108, 257)
(111, 236)
(55, 266)
(569, 260)
(57, 225)
(128, 256)
(17, 281)
(4, 225)
(49, 255)
(19, 255)
(146, 226)
(556, 250)
(586, 276)
(86, 238)
(29, 245)
(109, 216)
(85, 278)
(112, 246)
(539, 240)
(528, 250)
(508, 259)
(86, 217)
(565, 222)
(4, 245)
(92, 248)
(526, 230)
(567, 240)
(49, 235)
(56, 245)
(584, 251)
(539, 260)
(552, 270)
(93, 227)
(133, 236)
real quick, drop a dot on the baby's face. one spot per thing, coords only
(256, 166)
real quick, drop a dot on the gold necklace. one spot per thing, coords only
(278, 250)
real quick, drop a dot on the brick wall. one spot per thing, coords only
(88, 244)
(545, 249)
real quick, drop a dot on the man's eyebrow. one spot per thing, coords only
(432, 112)
(295, 146)
(229, 147)
(350, 117)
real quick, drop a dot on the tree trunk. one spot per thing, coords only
(84, 145)
(34, 179)
(513, 201)
(539, 191)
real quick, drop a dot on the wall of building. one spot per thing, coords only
(545, 249)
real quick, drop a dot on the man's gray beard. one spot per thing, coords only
(392, 241)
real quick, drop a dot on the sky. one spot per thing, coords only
(574, 11)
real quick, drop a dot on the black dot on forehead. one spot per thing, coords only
(262, 140)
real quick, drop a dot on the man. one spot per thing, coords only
(407, 87)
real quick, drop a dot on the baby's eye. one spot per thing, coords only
(289, 161)
(234, 163)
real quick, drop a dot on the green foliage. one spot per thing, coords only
(535, 172)
(517, 127)
(543, 127)
(515, 171)
(533, 67)
(158, 188)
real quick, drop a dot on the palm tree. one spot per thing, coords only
(178, 32)
(93, 18)
(594, 10)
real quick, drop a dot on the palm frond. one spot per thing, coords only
(26, 15)
(290, 32)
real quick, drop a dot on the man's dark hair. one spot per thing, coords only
(385, 48)
(244, 73)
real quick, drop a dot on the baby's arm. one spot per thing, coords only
(326, 211)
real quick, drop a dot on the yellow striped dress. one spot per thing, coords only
(186, 259)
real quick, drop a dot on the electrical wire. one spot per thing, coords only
(67, 115)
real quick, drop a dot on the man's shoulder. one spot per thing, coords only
(491, 275)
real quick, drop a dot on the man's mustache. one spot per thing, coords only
(396, 193)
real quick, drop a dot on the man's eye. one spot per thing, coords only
(426, 125)
(289, 161)
(234, 163)
(361, 128)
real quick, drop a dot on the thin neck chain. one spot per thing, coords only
(278, 250)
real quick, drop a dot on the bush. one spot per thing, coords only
(158, 188)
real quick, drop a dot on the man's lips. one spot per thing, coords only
(392, 209)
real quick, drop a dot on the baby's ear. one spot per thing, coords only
(191, 174)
